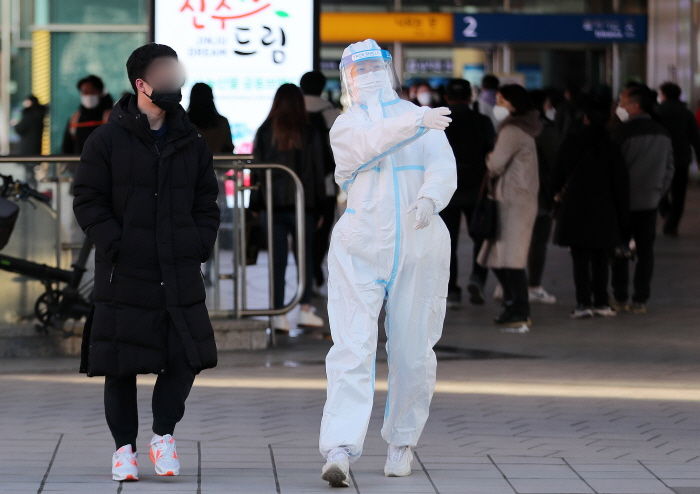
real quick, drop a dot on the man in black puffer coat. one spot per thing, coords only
(145, 194)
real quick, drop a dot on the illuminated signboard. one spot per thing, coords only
(244, 49)
(348, 27)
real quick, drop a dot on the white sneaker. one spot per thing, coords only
(163, 454)
(605, 311)
(308, 319)
(498, 292)
(124, 464)
(539, 295)
(521, 328)
(281, 323)
(398, 461)
(581, 313)
(337, 468)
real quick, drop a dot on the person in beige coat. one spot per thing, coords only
(513, 167)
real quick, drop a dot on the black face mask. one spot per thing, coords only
(168, 101)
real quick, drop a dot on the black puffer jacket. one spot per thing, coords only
(153, 217)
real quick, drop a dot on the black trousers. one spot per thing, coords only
(515, 294)
(643, 231)
(322, 239)
(591, 267)
(452, 216)
(538, 249)
(167, 403)
(284, 226)
(676, 199)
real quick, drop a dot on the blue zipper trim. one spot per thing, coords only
(350, 211)
(395, 147)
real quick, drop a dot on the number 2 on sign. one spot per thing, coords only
(470, 30)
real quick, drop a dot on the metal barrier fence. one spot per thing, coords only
(232, 174)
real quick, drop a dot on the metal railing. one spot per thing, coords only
(227, 167)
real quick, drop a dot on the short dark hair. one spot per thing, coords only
(141, 58)
(458, 90)
(490, 81)
(91, 79)
(671, 91)
(517, 96)
(642, 95)
(313, 83)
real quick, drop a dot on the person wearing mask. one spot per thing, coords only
(145, 194)
(30, 127)
(547, 147)
(683, 129)
(287, 137)
(513, 166)
(423, 94)
(94, 110)
(322, 114)
(389, 249)
(648, 154)
(487, 98)
(213, 126)
(592, 191)
(471, 136)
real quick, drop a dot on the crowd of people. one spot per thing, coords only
(589, 171)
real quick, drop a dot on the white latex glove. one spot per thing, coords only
(436, 118)
(424, 208)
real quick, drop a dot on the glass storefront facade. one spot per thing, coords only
(96, 36)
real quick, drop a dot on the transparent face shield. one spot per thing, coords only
(367, 77)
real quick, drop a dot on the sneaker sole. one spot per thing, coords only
(126, 478)
(395, 474)
(335, 477)
(475, 295)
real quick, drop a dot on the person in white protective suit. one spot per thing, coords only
(397, 167)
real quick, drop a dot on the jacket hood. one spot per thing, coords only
(530, 122)
(127, 115)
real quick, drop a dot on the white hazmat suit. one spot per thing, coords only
(389, 245)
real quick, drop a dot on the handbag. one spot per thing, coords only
(8, 217)
(483, 224)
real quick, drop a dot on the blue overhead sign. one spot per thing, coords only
(544, 28)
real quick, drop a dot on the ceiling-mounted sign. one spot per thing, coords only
(555, 28)
(348, 27)
(244, 49)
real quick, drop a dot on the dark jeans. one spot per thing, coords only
(676, 199)
(538, 249)
(167, 403)
(643, 231)
(322, 238)
(284, 226)
(591, 267)
(452, 216)
(515, 295)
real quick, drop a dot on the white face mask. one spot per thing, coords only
(622, 114)
(500, 113)
(424, 98)
(550, 113)
(89, 101)
(371, 81)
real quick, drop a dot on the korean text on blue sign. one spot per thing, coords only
(561, 28)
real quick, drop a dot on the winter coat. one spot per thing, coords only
(591, 179)
(648, 153)
(548, 142)
(514, 162)
(680, 123)
(83, 123)
(30, 129)
(218, 136)
(150, 208)
(471, 136)
(308, 163)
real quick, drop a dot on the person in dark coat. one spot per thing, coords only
(145, 194)
(95, 106)
(288, 138)
(592, 191)
(471, 136)
(680, 123)
(30, 127)
(210, 123)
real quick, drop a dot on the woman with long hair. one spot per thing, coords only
(210, 123)
(286, 137)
